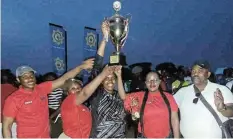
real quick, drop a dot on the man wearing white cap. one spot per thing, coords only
(28, 106)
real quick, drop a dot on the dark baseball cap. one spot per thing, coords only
(202, 63)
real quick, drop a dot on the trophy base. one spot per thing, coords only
(117, 59)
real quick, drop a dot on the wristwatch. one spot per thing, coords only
(106, 38)
(224, 108)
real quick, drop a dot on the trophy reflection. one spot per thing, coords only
(119, 29)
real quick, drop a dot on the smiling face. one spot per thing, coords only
(74, 88)
(27, 80)
(109, 83)
(152, 82)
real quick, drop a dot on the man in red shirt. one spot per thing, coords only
(28, 106)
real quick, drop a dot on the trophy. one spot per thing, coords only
(119, 30)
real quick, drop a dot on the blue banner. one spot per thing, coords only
(90, 47)
(58, 43)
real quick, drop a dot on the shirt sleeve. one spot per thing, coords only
(179, 97)
(229, 85)
(10, 107)
(172, 102)
(98, 65)
(45, 87)
(227, 95)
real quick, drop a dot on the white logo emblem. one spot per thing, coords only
(57, 37)
(28, 102)
(90, 39)
(59, 64)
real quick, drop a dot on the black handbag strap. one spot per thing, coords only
(208, 106)
(142, 110)
(169, 109)
(232, 88)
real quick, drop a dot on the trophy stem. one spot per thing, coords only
(118, 48)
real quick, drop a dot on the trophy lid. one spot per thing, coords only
(117, 6)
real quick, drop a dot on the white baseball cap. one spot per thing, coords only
(23, 69)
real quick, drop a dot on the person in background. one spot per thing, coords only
(156, 122)
(212, 78)
(137, 83)
(54, 102)
(76, 117)
(187, 76)
(230, 85)
(196, 120)
(28, 105)
(7, 88)
(180, 82)
(55, 97)
(228, 74)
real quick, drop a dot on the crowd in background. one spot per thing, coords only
(174, 77)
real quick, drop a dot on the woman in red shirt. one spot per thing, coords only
(76, 119)
(155, 121)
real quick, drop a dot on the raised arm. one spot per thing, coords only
(105, 32)
(88, 64)
(121, 90)
(90, 88)
(99, 58)
(100, 52)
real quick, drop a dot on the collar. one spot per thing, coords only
(26, 91)
(108, 94)
(207, 86)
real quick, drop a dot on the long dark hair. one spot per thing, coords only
(144, 104)
(144, 101)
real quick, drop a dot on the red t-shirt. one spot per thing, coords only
(77, 120)
(156, 116)
(30, 109)
(6, 90)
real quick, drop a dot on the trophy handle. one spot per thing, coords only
(128, 17)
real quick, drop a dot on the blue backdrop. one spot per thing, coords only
(160, 30)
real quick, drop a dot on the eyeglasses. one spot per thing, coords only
(195, 100)
(153, 81)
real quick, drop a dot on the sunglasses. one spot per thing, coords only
(195, 100)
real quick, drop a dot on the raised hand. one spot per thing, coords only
(108, 70)
(88, 64)
(105, 29)
(117, 70)
(219, 100)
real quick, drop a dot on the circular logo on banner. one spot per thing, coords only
(90, 39)
(59, 64)
(57, 37)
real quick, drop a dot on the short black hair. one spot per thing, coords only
(50, 74)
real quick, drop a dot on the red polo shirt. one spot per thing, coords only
(77, 120)
(156, 116)
(6, 90)
(30, 109)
